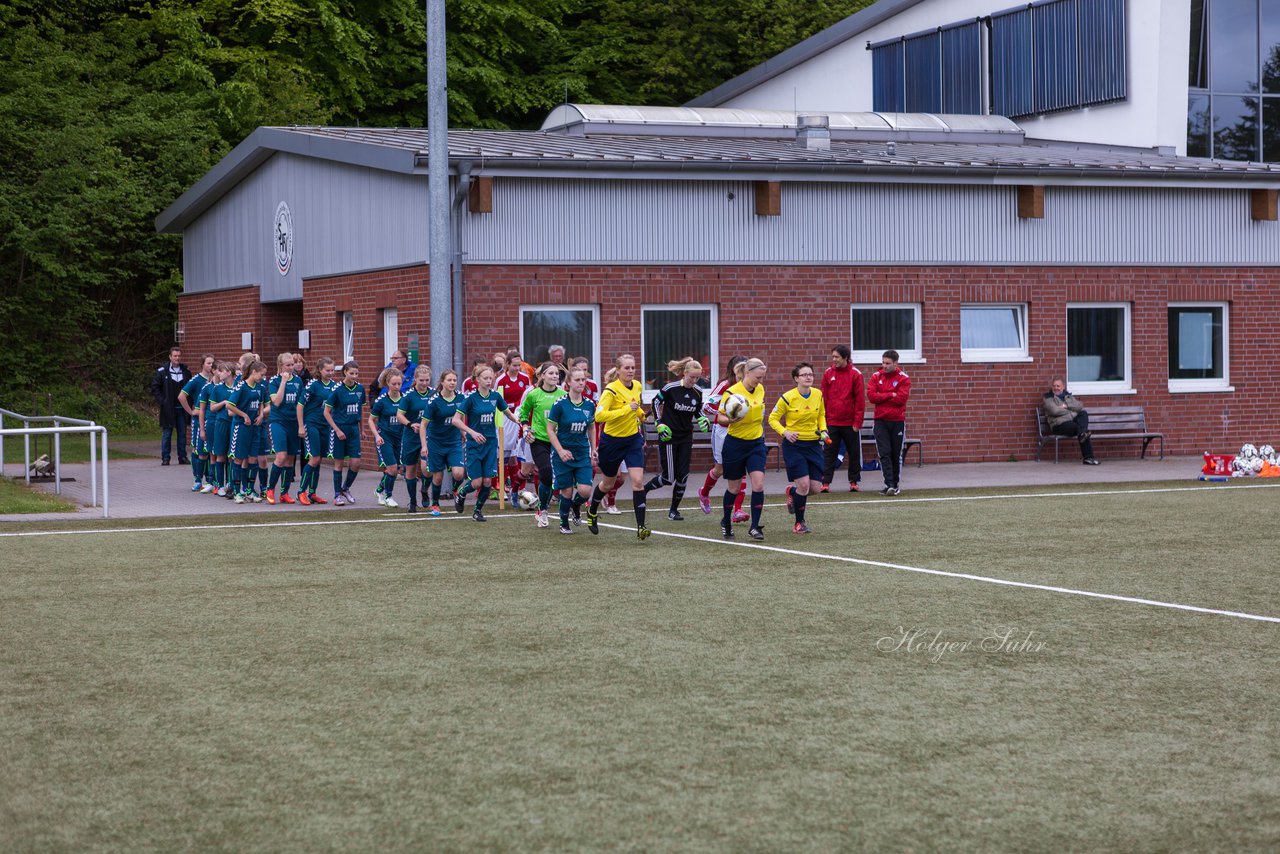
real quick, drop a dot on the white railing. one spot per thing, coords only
(62, 425)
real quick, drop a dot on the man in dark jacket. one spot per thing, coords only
(166, 382)
(843, 394)
(1068, 417)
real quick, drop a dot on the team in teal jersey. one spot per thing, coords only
(533, 415)
(215, 423)
(388, 433)
(314, 429)
(477, 417)
(283, 390)
(570, 426)
(442, 439)
(343, 411)
(189, 400)
(409, 415)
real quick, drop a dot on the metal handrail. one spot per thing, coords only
(80, 426)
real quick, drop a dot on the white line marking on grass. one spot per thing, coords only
(240, 526)
(962, 575)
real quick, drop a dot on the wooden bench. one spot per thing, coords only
(868, 436)
(703, 440)
(1105, 422)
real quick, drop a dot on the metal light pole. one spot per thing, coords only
(441, 300)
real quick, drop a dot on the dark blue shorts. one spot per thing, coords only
(244, 440)
(482, 460)
(744, 455)
(441, 457)
(615, 451)
(570, 474)
(317, 442)
(220, 437)
(284, 437)
(389, 452)
(410, 448)
(348, 448)
(803, 459)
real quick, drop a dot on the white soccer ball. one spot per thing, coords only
(1267, 452)
(1255, 465)
(526, 500)
(734, 407)
(1247, 451)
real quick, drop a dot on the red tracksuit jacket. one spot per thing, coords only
(889, 393)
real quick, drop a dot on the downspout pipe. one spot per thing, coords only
(459, 196)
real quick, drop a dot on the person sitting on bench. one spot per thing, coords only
(1068, 417)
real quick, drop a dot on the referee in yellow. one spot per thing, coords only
(800, 418)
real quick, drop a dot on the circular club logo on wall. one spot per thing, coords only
(283, 239)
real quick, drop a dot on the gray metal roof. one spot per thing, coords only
(818, 43)
(677, 157)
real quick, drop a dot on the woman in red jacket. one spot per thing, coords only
(843, 393)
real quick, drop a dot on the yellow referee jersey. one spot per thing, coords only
(752, 424)
(805, 415)
(614, 410)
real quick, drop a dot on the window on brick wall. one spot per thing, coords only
(390, 333)
(876, 327)
(574, 327)
(993, 333)
(1099, 347)
(671, 332)
(348, 323)
(1198, 347)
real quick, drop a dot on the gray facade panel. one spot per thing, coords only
(345, 218)
(714, 222)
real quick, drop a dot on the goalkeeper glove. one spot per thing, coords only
(704, 423)
(664, 432)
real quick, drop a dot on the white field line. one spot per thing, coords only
(1155, 603)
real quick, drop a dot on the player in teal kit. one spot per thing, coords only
(343, 411)
(477, 417)
(314, 430)
(442, 440)
(571, 431)
(189, 400)
(410, 416)
(388, 433)
(246, 405)
(215, 425)
(284, 389)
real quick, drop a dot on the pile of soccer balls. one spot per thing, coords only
(1251, 460)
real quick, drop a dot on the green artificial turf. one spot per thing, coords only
(439, 685)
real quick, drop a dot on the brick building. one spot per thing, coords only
(992, 262)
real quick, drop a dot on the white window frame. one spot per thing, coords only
(997, 354)
(906, 357)
(1124, 386)
(1213, 384)
(348, 337)
(708, 371)
(390, 333)
(595, 334)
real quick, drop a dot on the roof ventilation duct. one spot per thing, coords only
(814, 132)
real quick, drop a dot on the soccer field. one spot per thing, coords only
(1088, 669)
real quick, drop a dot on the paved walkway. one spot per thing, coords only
(142, 488)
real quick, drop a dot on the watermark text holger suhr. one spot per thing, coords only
(935, 645)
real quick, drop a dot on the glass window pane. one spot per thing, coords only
(1270, 47)
(671, 334)
(1198, 126)
(997, 327)
(1233, 45)
(1235, 128)
(1199, 72)
(1096, 345)
(570, 328)
(884, 329)
(1195, 343)
(1271, 130)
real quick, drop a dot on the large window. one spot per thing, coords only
(574, 327)
(1098, 348)
(1198, 347)
(876, 327)
(674, 332)
(993, 333)
(1233, 111)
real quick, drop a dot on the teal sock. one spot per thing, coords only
(275, 476)
(564, 512)
(337, 481)
(351, 478)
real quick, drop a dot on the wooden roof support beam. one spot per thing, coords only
(480, 195)
(1262, 205)
(768, 198)
(1030, 202)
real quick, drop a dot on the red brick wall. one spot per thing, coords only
(963, 411)
(213, 321)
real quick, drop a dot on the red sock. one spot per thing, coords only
(742, 493)
(709, 483)
(517, 481)
(612, 497)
